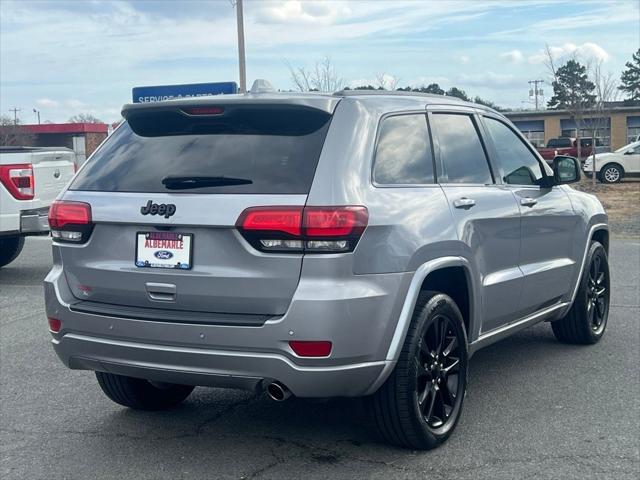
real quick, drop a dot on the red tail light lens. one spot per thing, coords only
(305, 348)
(303, 229)
(18, 180)
(272, 219)
(334, 222)
(70, 221)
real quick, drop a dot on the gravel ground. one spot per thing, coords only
(622, 203)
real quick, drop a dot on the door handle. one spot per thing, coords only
(528, 202)
(163, 292)
(464, 202)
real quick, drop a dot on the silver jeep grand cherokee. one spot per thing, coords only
(354, 244)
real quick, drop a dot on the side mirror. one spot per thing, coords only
(566, 169)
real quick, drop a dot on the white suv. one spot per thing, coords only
(30, 179)
(613, 166)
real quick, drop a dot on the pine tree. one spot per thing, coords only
(630, 78)
(572, 88)
(456, 92)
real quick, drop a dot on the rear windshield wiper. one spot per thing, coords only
(183, 183)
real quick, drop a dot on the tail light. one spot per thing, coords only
(303, 229)
(18, 180)
(70, 221)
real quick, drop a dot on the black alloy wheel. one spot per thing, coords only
(597, 294)
(439, 382)
(586, 320)
(420, 403)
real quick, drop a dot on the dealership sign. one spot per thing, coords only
(167, 92)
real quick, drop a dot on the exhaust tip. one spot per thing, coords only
(278, 392)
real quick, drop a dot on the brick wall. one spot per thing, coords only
(92, 140)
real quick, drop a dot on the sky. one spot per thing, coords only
(84, 56)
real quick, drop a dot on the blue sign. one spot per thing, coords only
(168, 92)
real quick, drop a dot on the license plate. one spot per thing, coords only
(164, 250)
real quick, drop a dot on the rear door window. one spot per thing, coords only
(403, 153)
(248, 151)
(462, 156)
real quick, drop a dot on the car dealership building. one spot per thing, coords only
(616, 128)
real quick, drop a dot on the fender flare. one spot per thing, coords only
(594, 228)
(404, 320)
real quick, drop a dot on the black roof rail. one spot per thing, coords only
(397, 93)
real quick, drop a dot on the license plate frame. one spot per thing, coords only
(153, 258)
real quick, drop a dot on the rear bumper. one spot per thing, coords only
(34, 222)
(359, 316)
(215, 368)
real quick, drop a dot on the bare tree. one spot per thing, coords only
(84, 118)
(384, 81)
(606, 92)
(13, 134)
(321, 78)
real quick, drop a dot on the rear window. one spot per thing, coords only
(560, 143)
(246, 150)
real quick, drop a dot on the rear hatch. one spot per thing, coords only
(180, 176)
(52, 170)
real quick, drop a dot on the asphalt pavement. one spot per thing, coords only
(534, 409)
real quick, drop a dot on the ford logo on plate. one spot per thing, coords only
(163, 255)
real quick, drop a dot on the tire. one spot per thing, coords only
(586, 321)
(10, 248)
(411, 409)
(142, 394)
(611, 173)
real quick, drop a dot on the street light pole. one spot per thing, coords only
(241, 59)
(38, 113)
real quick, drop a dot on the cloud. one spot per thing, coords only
(587, 51)
(74, 103)
(512, 56)
(298, 12)
(464, 59)
(47, 103)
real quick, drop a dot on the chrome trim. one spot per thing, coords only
(504, 331)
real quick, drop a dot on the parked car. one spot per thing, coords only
(318, 245)
(569, 147)
(613, 167)
(30, 179)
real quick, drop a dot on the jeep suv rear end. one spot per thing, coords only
(317, 246)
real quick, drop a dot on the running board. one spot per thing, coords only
(510, 328)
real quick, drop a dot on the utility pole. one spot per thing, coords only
(15, 114)
(536, 91)
(241, 59)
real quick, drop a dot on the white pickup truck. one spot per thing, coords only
(30, 179)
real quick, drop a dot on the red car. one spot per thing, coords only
(566, 146)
